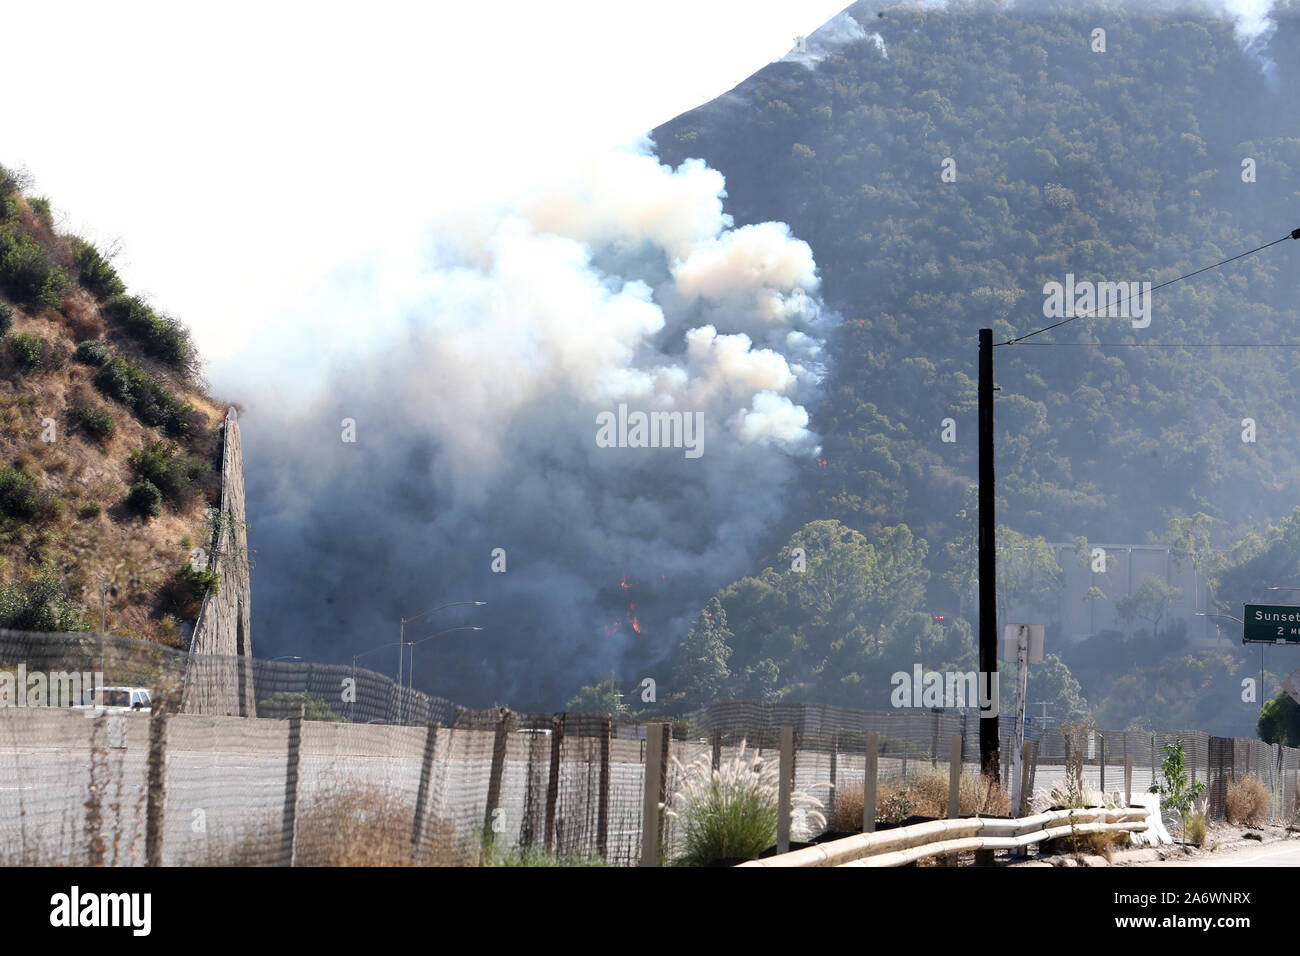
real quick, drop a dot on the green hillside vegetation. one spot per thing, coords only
(1123, 166)
(109, 449)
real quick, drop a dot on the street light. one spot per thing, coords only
(401, 630)
(411, 669)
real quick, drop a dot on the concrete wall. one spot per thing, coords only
(224, 627)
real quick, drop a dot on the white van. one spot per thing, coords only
(118, 700)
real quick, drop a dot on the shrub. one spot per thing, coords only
(151, 402)
(26, 350)
(1198, 823)
(177, 475)
(40, 604)
(288, 703)
(31, 352)
(163, 336)
(91, 509)
(27, 273)
(1176, 793)
(94, 271)
(92, 353)
(41, 206)
(96, 423)
(187, 587)
(19, 497)
(1248, 801)
(145, 499)
(6, 319)
(10, 187)
(732, 814)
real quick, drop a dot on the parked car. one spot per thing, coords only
(118, 700)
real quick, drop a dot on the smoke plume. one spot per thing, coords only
(475, 430)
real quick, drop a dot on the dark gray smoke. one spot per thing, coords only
(476, 430)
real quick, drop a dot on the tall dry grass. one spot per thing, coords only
(924, 795)
(349, 824)
(1248, 801)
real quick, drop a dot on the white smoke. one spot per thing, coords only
(839, 31)
(627, 283)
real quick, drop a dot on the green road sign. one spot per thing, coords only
(1271, 624)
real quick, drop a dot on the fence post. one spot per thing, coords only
(602, 813)
(1101, 761)
(288, 824)
(1026, 762)
(869, 783)
(157, 799)
(422, 794)
(835, 755)
(494, 775)
(717, 749)
(1128, 780)
(783, 790)
(553, 781)
(654, 775)
(954, 776)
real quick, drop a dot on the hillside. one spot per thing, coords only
(1170, 150)
(109, 448)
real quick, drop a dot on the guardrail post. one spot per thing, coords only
(422, 794)
(784, 789)
(869, 783)
(654, 775)
(157, 796)
(288, 822)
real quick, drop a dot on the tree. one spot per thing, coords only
(701, 673)
(1149, 602)
(598, 698)
(1279, 721)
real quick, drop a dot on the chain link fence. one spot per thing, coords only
(316, 764)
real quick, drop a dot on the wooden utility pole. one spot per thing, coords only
(990, 758)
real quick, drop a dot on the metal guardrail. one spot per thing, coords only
(944, 837)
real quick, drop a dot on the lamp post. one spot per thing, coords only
(401, 628)
(410, 677)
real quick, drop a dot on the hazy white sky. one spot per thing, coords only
(243, 151)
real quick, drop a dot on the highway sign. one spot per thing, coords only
(1271, 624)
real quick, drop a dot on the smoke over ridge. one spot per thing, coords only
(476, 430)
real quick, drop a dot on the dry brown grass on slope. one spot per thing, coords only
(86, 535)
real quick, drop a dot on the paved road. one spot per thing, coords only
(1274, 854)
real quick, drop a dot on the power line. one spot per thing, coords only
(1162, 345)
(1016, 340)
